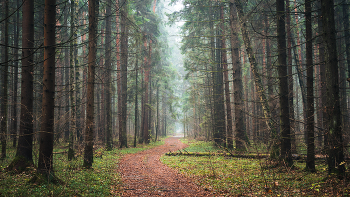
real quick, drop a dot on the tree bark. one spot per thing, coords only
(212, 53)
(219, 104)
(150, 102)
(4, 100)
(45, 162)
(323, 91)
(286, 154)
(108, 66)
(241, 135)
(145, 102)
(310, 160)
(15, 80)
(89, 130)
(141, 140)
(78, 89)
(345, 9)
(157, 126)
(72, 83)
(119, 84)
(25, 140)
(229, 131)
(66, 81)
(124, 74)
(136, 95)
(334, 132)
(290, 79)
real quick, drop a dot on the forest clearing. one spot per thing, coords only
(92, 90)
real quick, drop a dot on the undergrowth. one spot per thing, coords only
(101, 180)
(228, 176)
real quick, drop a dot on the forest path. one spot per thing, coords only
(144, 175)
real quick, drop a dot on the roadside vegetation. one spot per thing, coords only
(101, 180)
(233, 176)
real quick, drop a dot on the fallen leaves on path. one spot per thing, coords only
(144, 175)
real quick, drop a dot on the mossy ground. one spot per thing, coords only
(256, 177)
(101, 180)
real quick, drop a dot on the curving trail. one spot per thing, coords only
(144, 175)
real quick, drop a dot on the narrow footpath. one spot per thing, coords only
(144, 175)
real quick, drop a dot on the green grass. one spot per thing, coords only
(199, 146)
(101, 180)
(234, 176)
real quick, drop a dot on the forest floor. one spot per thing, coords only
(148, 171)
(101, 180)
(238, 176)
(144, 175)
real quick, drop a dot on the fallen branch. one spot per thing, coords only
(217, 154)
(230, 154)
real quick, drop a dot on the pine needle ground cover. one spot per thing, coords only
(101, 180)
(230, 176)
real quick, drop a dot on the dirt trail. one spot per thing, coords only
(144, 175)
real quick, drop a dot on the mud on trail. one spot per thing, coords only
(144, 175)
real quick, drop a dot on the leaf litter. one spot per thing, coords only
(143, 174)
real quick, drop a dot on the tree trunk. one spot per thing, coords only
(72, 83)
(310, 160)
(145, 102)
(290, 80)
(25, 140)
(212, 67)
(136, 95)
(241, 135)
(39, 68)
(119, 84)
(342, 79)
(15, 80)
(219, 104)
(227, 83)
(89, 130)
(164, 112)
(321, 56)
(45, 162)
(67, 104)
(157, 126)
(283, 82)
(345, 9)
(108, 66)
(150, 103)
(141, 140)
(84, 90)
(78, 89)
(4, 100)
(334, 132)
(98, 90)
(58, 101)
(124, 74)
